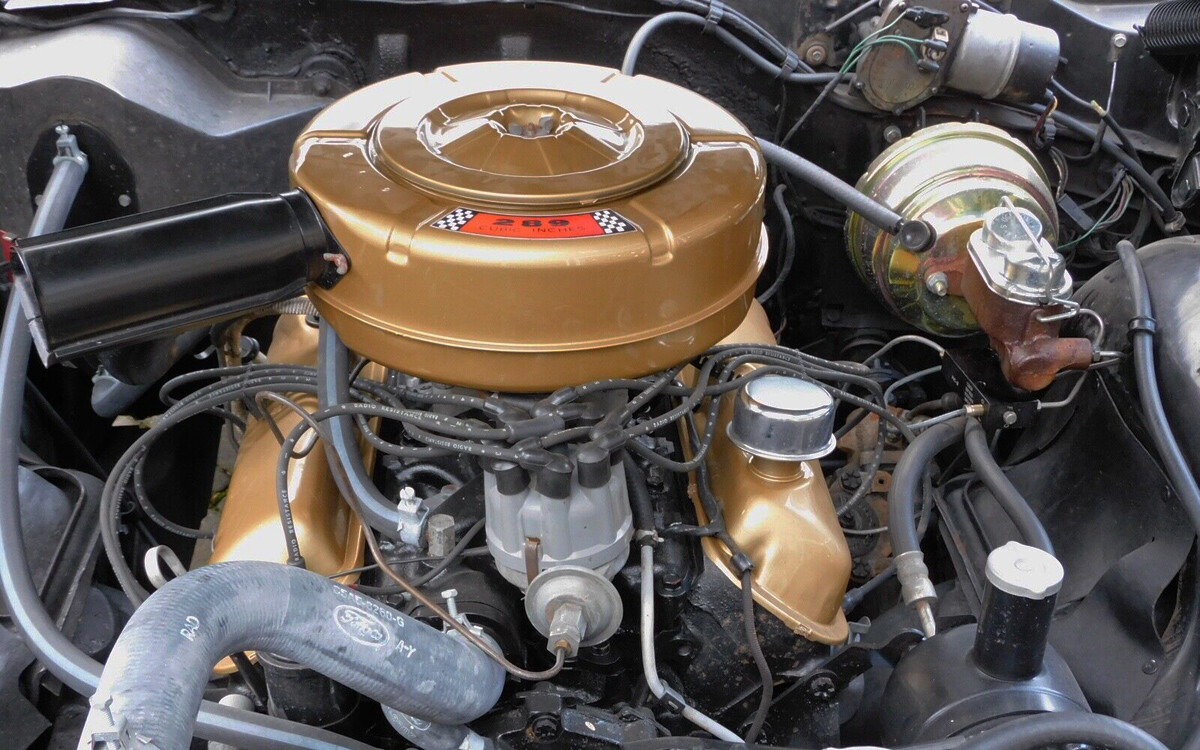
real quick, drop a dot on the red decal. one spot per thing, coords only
(562, 226)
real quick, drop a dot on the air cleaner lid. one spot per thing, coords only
(527, 225)
(574, 139)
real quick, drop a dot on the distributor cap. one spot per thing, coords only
(524, 226)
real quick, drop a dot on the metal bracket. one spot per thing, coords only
(68, 148)
(411, 516)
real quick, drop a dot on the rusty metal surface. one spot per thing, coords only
(1031, 352)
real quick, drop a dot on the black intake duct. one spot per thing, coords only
(144, 276)
(1173, 28)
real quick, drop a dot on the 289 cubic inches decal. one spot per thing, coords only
(562, 226)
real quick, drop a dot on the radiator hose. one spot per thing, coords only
(154, 680)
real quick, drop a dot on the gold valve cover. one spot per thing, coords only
(523, 226)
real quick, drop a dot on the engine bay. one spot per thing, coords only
(616, 373)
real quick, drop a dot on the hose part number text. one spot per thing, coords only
(191, 628)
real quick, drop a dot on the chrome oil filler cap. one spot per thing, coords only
(784, 418)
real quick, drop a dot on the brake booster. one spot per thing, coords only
(993, 267)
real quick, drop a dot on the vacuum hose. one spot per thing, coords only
(333, 388)
(1009, 498)
(155, 678)
(913, 235)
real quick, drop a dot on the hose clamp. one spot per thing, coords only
(1142, 324)
(673, 699)
(716, 12)
(117, 735)
(411, 515)
(789, 65)
(154, 560)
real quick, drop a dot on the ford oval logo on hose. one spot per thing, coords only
(361, 626)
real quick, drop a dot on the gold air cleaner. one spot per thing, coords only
(523, 226)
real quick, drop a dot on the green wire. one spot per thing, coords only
(879, 37)
(1104, 217)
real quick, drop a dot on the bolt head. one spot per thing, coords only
(544, 727)
(937, 283)
(822, 688)
(815, 55)
(1119, 40)
(1009, 417)
(892, 133)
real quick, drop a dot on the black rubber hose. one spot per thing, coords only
(640, 502)
(1051, 729)
(156, 675)
(914, 235)
(759, 717)
(1142, 335)
(1142, 338)
(408, 473)
(833, 186)
(1009, 498)
(854, 597)
(907, 478)
(789, 247)
(40, 633)
(333, 387)
(638, 42)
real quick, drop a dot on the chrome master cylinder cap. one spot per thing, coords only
(785, 418)
(1015, 260)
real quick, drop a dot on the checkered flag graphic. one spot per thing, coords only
(611, 222)
(454, 220)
